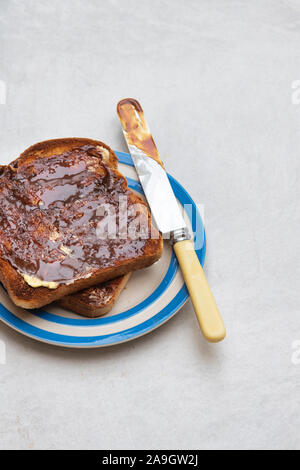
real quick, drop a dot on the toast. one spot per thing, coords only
(50, 245)
(100, 299)
(95, 301)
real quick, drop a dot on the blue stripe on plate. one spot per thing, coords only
(113, 338)
(124, 158)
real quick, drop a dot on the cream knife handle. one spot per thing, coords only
(205, 307)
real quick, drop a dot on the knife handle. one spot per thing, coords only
(205, 307)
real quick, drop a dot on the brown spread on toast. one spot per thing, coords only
(96, 295)
(48, 215)
(95, 301)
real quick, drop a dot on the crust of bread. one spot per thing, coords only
(50, 147)
(28, 297)
(97, 300)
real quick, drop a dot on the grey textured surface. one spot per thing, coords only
(215, 79)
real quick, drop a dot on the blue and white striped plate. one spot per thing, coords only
(151, 297)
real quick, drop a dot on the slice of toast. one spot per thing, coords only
(49, 239)
(95, 301)
(100, 299)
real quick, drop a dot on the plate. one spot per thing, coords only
(151, 297)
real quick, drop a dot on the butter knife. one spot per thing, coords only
(167, 215)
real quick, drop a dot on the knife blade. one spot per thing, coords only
(153, 178)
(168, 216)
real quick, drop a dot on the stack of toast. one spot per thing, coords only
(63, 236)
